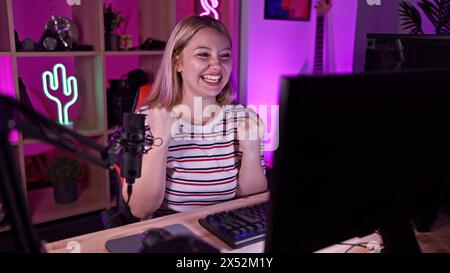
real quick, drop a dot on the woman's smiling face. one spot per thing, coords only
(205, 64)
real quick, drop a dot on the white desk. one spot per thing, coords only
(95, 242)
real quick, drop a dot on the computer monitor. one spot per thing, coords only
(358, 153)
(390, 52)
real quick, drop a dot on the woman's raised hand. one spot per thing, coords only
(161, 121)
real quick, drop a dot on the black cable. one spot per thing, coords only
(120, 210)
(363, 245)
(357, 244)
(129, 191)
(353, 245)
(350, 248)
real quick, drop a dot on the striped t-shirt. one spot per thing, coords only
(203, 161)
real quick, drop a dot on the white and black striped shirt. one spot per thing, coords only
(203, 161)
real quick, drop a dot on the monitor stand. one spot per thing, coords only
(398, 235)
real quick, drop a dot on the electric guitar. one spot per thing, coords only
(323, 7)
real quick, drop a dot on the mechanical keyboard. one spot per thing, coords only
(239, 227)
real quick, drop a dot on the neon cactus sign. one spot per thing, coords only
(210, 8)
(69, 88)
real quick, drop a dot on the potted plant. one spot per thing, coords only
(64, 174)
(112, 20)
(437, 12)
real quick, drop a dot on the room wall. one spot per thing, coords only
(271, 49)
(380, 19)
(373, 19)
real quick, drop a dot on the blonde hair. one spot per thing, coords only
(167, 88)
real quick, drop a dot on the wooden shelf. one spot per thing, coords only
(4, 27)
(58, 54)
(92, 69)
(87, 133)
(134, 53)
(43, 208)
(92, 133)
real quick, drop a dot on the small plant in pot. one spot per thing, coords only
(64, 174)
(112, 20)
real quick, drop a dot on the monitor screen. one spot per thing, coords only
(401, 51)
(358, 153)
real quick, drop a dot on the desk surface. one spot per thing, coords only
(95, 242)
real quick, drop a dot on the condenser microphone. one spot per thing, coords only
(133, 142)
(128, 145)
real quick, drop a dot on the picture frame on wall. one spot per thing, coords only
(291, 10)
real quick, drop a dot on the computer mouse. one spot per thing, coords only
(154, 236)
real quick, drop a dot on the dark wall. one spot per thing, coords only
(373, 19)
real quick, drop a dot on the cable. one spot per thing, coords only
(350, 248)
(120, 210)
(129, 192)
(373, 246)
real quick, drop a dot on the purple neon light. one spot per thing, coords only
(7, 84)
(279, 48)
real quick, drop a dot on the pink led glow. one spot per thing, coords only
(6, 77)
(210, 6)
(7, 84)
(276, 48)
(30, 17)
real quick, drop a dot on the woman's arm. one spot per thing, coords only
(252, 178)
(149, 189)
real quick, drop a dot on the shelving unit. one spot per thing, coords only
(57, 54)
(4, 28)
(93, 69)
(91, 195)
(134, 53)
(15, 151)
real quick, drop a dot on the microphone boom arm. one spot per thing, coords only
(54, 134)
(46, 130)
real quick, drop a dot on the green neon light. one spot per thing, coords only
(69, 86)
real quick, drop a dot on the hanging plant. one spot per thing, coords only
(437, 12)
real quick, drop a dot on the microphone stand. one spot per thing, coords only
(11, 190)
(43, 128)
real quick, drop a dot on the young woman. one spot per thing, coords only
(211, 150)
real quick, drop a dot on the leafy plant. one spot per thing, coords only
(412, 20)
(112, 18)
(437, 12)
(63, 171)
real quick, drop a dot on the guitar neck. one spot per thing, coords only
(318, 53)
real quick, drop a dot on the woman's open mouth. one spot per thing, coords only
(212, 79)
